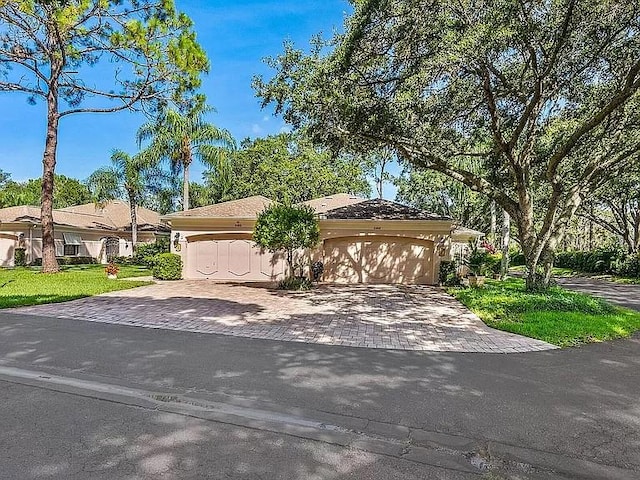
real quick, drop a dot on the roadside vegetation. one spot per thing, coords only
(28, 286)
(556, 316)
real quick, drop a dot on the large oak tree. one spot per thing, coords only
(544, 94)
(146, 52)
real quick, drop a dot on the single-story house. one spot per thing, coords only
(362, 241)
(99, 232)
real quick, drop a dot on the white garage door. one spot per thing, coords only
(379, 259)
(231, 259)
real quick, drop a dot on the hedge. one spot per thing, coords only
(167, 266)
(602, 261)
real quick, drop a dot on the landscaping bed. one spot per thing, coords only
(557, 316)
(27, 286)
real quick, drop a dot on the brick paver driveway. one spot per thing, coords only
(381, 316)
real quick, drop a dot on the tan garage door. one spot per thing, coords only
(378, 260)
(231, 259)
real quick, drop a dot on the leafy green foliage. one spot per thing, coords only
(477, 260)
(285, 168)
(20, 257)
(284, 228)
(27, 286)
(167, 266)
(447, 274)
(596, 261)
(177, 137)
(67, 192)
(295, 283)
(556, 316)
(149, 44)
(146, 252)
(435, 192)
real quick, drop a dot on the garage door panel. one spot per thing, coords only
(379, 260)
(206, 257)
(232, 259)
(239, 258)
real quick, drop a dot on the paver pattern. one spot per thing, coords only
(380, 316)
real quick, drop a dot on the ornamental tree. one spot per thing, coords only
(543, 94)
(128, 177)
(285, 229)
(145, 49)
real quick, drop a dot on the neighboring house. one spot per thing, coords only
(362, 241)
(461, 237)
(80, 231)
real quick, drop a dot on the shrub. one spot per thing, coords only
(20, 257)
(446, 272)
(477, 260)
(167, 266)
(596, 261)
(295, 283)
(76, 260)
(124, 260)
(146, 252)
(629, 266)
(494, 263)
(517, 258)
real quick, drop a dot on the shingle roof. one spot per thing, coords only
(118, 214)
(114, 216)
(379, 209)
(464, 231)
(330, 202)
(248, 207)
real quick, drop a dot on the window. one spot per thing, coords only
(70, 250)
(72, 242)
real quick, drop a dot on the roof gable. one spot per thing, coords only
(248, 207)
(330, 202)
(379, 209)
(114, 216)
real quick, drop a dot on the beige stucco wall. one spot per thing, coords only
(435, 234)
(92, 242)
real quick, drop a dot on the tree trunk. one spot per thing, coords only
(185, 186)
(492, 227)
(49, 262)
(134, 222)
(506, 238)
(290, 262)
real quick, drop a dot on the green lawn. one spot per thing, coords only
(27, 286)
(558, 316)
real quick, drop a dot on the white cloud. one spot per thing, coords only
(256, 129)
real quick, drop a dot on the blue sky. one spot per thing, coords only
(236, 36)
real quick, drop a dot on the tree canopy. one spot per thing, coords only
(435, 192)
(67, 192)
(128, 177)
(178, 136)
(285, 168)
(543, 94)
(284, 228)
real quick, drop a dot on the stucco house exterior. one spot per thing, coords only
(99, 232)
(362, 241)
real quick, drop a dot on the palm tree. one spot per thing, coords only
(129, 177)
(179, 137)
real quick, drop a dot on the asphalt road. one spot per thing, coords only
(262, 408)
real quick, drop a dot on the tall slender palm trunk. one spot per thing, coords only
(133, 206)
(185, 186)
